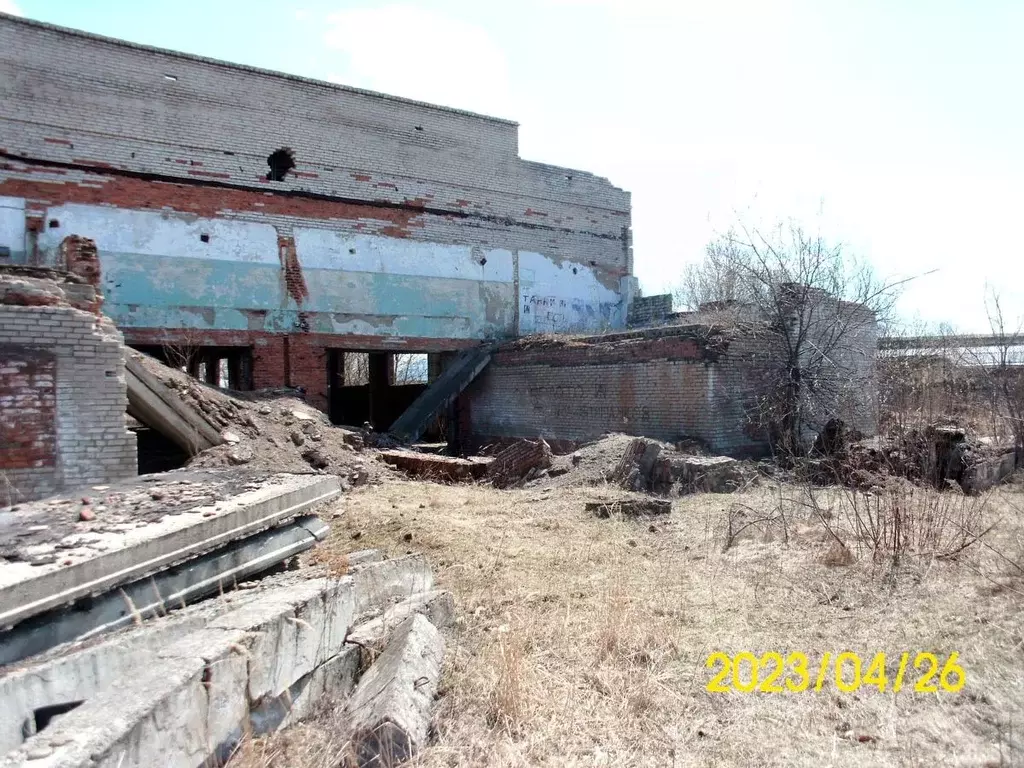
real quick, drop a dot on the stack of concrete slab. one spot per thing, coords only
(77, 565)
(111, 656)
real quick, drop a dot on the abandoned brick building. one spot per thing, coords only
(275, 223)
(270, 231)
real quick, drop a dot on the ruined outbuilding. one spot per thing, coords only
(62, 388)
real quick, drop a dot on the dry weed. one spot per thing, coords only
(582, 642)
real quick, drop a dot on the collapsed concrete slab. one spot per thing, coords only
(155, 404)
(162, 592)
(183, 690)
(55, 553)
(390, 710)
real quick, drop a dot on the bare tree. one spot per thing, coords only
(817, 310)
(1005, 369)
(715, 280)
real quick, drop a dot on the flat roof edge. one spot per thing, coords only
(6, 17)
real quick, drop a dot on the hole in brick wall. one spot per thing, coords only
(280, 161)
(409, 369)
(593, 263)
(356, 369)
(568, 177)
(54, 223)
(171, 78)
(574, 270)
(204, 237)
(228, 153)
(419, 127)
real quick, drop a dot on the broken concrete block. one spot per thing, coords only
(709, 474)
(438, 606)
(985, 472)
(379, 584)
(316, 459)
(520, 458)
(634, 469)
(630, 507)
(390, 710)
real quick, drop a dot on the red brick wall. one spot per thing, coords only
(28, 429)
(652, 383)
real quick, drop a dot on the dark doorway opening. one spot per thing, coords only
(376, 387)
(156, 452)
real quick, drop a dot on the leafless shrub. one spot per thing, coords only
(898, 520)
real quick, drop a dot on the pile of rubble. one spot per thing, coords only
(936, 455)
(643, 464)
(267, 431)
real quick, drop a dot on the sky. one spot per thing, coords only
(895, 127)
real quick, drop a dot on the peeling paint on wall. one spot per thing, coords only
(563, 296)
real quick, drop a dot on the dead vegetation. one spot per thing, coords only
(583, 641)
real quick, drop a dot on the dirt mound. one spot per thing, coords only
(643, 464)
(272, 431)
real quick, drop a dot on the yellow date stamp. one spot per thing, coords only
(772, 672)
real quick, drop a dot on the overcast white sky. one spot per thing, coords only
(895, 126)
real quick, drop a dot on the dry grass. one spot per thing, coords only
(582, 642)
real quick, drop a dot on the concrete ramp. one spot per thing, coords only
(441, 393)
(159, 407)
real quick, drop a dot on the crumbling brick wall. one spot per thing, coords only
(649, 310)
(667, 383)
(62, 391)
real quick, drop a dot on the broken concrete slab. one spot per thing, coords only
(708, 474)
(183, 689)
(629, 507)
(158, 406)
(517, 460)
(438, 605)
(391, 708)
(434, 467)
(84, 559)
(166, 591)
(382, 583)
